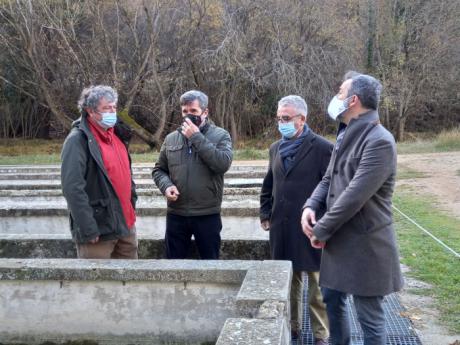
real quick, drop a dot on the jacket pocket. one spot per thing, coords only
(174, 154)
(103, 215)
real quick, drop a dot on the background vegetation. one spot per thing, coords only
(245, 54)
(429, 261)
(41, 151)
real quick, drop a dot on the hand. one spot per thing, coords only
(315, 243)
(308, 221)
(265, 224)
(94, 240)
(188, 128)
(171, 193)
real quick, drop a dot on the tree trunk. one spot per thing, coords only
(400, 128)
(143, 134)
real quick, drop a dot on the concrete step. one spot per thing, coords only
(257, 166)
(143, 201)
(55, 175)
(140, 183)
(62, 246)
(11, 193)
(237, 228)
(55, 206)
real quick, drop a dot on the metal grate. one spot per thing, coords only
(399, 329)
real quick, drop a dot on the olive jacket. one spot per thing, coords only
(196, 166)
(91, 199)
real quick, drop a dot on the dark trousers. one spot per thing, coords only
(205, 230)
(370, 316)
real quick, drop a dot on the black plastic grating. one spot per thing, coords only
(399, 329)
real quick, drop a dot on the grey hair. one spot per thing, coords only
(367, 89)
(350, 74)
(193, 95)
(297, 102)
(91, 96)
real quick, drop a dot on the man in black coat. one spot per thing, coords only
(297, 164)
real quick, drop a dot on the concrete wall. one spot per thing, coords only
(143, 302)
(62, 246)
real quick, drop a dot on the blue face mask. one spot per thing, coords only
(337, 107)
(108, 120)
(287, 130)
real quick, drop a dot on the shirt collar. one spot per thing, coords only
(104, 135)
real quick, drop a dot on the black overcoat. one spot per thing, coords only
(283, 195)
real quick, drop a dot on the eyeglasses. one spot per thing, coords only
(285, 118)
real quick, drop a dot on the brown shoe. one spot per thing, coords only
(322, 342)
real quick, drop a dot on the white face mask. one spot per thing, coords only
(337, 107)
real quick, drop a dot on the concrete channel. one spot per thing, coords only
(241, 299)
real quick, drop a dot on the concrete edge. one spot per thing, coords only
(61, 246)
(266, 283)
(254, 332)
(125, 270)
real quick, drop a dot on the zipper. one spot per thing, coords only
(189, 161)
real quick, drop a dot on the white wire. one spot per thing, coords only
(427, 232)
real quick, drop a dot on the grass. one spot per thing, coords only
(446, 141)
(404, 172)
(23, 152)
(428, 260)
(39, 151)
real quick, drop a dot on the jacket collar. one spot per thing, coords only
(99, 133)
(83, 125)
(205, 127)
(369, 116)
(303, 151)
(365, 121)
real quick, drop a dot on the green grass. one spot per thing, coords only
(428, 260)
(250, 154)
(404, 172)
(445, 141)
(39, 151)
(24, 152)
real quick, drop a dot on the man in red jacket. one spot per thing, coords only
(96, 179)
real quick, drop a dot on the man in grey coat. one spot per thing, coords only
(360, 255)
(190, 173)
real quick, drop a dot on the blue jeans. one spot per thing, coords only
(370, 316)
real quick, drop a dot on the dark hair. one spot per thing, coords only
(367, 89)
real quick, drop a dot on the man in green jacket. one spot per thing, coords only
(96, 179)
(190, 173)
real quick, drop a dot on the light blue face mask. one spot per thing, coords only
(287, 130)
(108, 120)
(337, 107)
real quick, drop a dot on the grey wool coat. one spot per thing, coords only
(283, 195)
(361, 256)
